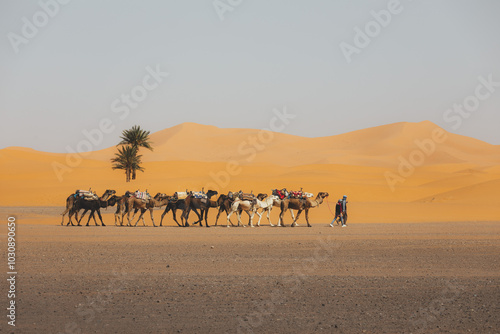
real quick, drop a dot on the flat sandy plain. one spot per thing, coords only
(439, 277)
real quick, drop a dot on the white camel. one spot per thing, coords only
(262, 202)
(238, 206)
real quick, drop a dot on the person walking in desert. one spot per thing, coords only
(340, 212)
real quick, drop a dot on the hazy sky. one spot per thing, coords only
(67, 67)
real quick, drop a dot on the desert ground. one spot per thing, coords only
(441, 277)
(420, 253)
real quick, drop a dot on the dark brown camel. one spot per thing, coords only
(72, 198)
(198, 203)
(93, 206)
(301, 205)
(224, 204)
(137, 204)
(174, 205)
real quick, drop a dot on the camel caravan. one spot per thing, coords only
(198, 202)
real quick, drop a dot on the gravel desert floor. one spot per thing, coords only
(365, 278)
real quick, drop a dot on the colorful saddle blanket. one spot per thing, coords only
(280, 193)
(144, 195)
(199, 194)
(300, 194)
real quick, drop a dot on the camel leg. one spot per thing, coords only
(238, 213)
(295, 221)
(227, 212)
(71, 212)
(281, 222)
(128, 217)
(83, 215)
(137, 218)
(200, 217)
(218, 214)
(100, 217)
(228, 219)
(91, 215)
(133, 216)
(175, 218)
(63, 214)
(269, 216)
(163, 215)
(260, 217)
(135, 212)
(250, 216)
(152, 218)
(95, 221)
(206, 216)
(307, 218)
(185, 215)
(296, 218)
(182, 221)
(123, 216)
(141, 216)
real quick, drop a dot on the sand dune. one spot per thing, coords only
(454, 171)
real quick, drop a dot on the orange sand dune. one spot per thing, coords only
(454, 171)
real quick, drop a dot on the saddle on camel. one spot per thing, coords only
(246, 196)
(142, 195)
(300, 194)
(87, 195)
(200, 195)
(180, 195)
(282, 194)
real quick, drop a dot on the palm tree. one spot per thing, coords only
(136, 138)
(127, 159)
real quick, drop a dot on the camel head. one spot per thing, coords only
(162, 197)
(261, 196)
(159, 195)
(112, 200)
(322, 195)
(211, 193)
(221, 199)
(107, 194)
(274, 198)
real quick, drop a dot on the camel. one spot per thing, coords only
(72, 198)
(238, 206)
(224, 204)
(93, 206)
(252, 207)
(121, 207)
(198, 203)
(266, 204)
(137, 204)
(174, 205)
(277, 202)
(301, 205)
